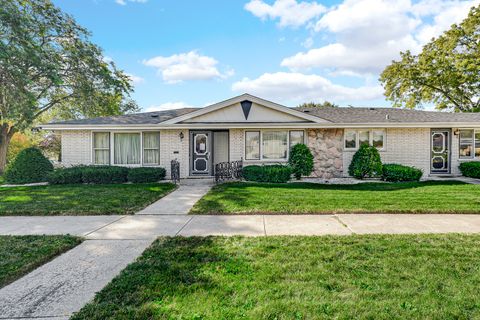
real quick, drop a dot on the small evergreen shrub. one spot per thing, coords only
(366, 163)
(267, 173)
(72, 175)
(396, 173)
(29, 166)
(470, 169)
(104, 174)
(139, 175)
(301, 160)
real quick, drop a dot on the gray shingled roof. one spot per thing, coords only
(335, 115)
(136, 118)
(385, 115)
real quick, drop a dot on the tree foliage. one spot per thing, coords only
(446, 72)
(47, 62)
(325, 104)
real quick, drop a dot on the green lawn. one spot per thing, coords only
(341, 277)
(22, 254)
(80, 199)
(300, 198)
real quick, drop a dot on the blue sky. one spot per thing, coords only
(193, 53)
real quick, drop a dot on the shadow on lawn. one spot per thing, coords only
(367, 186)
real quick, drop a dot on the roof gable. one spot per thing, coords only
(246, 109)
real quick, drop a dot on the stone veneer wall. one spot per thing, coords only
(327, 149)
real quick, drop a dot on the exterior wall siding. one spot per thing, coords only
(172, 147)
(327, 149)
(407, 146)
(76, 147)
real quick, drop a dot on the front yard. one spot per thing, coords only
(80, 199)
(21, 254)
(341, 277)
(308, 198)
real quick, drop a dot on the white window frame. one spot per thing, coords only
(289, 133)
(370, 138)
(112, 147)
(143, 149)
(474, 132)
(92, 139)
(261, 144)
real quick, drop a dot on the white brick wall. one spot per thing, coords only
(76, 147)
(237, 137)
(172, 147)
(407, 146)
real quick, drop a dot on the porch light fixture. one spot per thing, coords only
(181, 135)
(456, 132)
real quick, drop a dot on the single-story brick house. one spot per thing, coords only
(261, 132)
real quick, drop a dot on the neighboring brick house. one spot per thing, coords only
(261, 132)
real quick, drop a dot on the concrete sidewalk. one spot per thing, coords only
(148, 227)
(180, 201)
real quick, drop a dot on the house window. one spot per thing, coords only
(350, 139)
(101, 148)
(274, 145)
(466, 144)
(126, 148)
(363, 137)
(151, 148)
(378, 137)
(296, 137)
(252, 145)
(355, 138)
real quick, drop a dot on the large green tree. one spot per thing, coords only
(48, 64)
(446, 73)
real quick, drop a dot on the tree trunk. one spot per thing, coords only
(6, 133)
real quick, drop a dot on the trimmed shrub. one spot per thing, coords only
(29, 166)
(396, 173)
(366, 163)
(138, 175)
(267, 173)
(72, 175)
(470, 169)
(301, 160)
(104, 174)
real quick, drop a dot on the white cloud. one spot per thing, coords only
(135, 79)
(290, 12)
(187, 66)
(308, 43)
(371, 33)
(445, 14)
(168, 106)
(124, 2)
(304, 87)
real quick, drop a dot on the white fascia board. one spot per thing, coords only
(263, 125)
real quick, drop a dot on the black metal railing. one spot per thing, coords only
(228, 170)
(175, 171)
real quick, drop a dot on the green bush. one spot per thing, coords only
(139, 175)
(470, 169)
(267, 173)
(301, 160)
(397, 173)
(104, 174)
(29, 166)
(72, 175)
(366, 163)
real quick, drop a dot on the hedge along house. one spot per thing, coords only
(262, 132)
